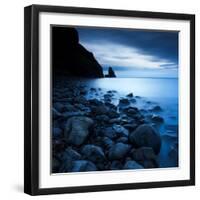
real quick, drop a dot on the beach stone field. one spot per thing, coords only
(97, 130)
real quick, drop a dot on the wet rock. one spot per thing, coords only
(130, 127)
(157, 119)
(130, 95)
(102, 118)
(145, 156)
(55, 113)
(95, 102)
(93, 153)
(67, 115)
(68, 108)
(109, 132)
(156, 109)
(106, 142)
(82, 166)
(133, 100)
(113, 114)
(124, 101)
(131, 164)
(118, 151)
(146, 136)
(116, 165)
(114, 120)
(122, 139)
(58, 106)
(57, 132)
(100, 110)
(77, 129)
(67, 157)
(120, 130)
(55, 165)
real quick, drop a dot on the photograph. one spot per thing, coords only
(114, 99)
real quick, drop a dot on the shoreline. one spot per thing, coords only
(94, 130)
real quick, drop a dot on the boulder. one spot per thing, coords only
(124, 101)
(55, 113)
(67, 157)
(122, 139)
(118, 151)
(77, 129)
(145, 156)
(120, 130)
(82, 166)
(131, 164)
(130, 95)
(93, 153)
(156, 109)
(109, 132)
(146, 136)
(58, 106)
(106, 142)
(57, 132)
(100, 110)
(157, 119)
(116, 165)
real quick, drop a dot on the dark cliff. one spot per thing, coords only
(70, 58)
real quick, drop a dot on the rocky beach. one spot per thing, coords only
(98, 130)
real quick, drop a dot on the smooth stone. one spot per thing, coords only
(106, 142)
(103, 118)
(77, 129)
(156, 109)
(118, 151)
(100, 110)
(145, 156)
(55, 113)
(109, 132)
(93, 153)
(82, 166)
(120, 130)
(113, 114)
(116, 165)
(130, 95)
(133, 100)
(67, 157)
(131, 164)
(114, 120)
(95, 102)
(58, 106)
(124, 101)
(57, 132)
(157, 119)
(69, 114)
(68, 107)
(146, 136)
(122, 139)
(130, 127)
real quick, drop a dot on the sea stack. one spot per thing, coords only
(70, 58)
(111, 73)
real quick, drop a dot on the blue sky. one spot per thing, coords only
(133, 53)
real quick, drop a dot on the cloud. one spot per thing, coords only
(116, 54)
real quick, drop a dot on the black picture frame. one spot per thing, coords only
(31, 98)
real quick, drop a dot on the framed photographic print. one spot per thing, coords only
(109, 100)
